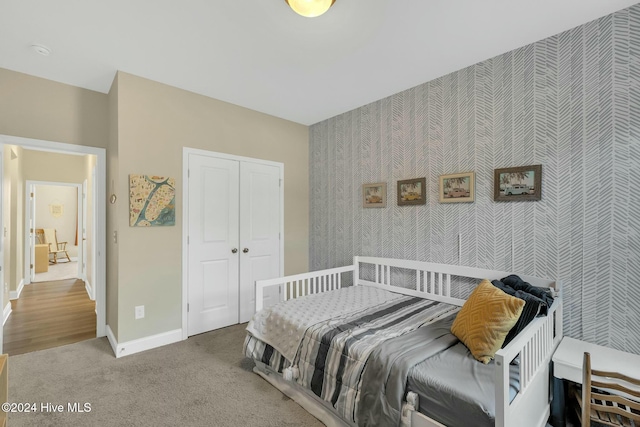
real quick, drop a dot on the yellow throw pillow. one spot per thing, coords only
(485, 319)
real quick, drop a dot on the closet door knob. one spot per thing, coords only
(245, 250)
(234, 250)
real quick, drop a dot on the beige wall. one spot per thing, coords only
(32, 107)
(53, 167)
(13, 218)
(112, 247)
(6, 212)
(155, 122)
(144, 125)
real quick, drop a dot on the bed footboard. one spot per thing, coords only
(299, 285)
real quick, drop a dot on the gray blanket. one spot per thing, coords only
(333, 354)
(385, 375)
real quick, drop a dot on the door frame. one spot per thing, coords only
(186, 151)
(2, 231)
(83, 236)
(94, 233)
(99, 210)
(29, 250)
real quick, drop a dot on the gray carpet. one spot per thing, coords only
(203, 381)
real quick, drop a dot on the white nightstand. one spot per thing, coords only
(567, 366)
(567, 360)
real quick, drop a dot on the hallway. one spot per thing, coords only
(49, 314)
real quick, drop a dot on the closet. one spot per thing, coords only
(234, 231)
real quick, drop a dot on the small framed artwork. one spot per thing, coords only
(457, 187)
(517, 184)
(412, 192)
(374, 195)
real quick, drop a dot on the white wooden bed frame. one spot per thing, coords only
(535, 344)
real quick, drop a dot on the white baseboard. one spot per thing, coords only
(142, 344)
(6, 313)
(16, 294)
(89, 289)
(112, 340)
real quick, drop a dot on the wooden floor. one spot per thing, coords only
(49, 314)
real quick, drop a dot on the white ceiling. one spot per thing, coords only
(261, 55)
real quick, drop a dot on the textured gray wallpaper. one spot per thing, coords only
(571, 103)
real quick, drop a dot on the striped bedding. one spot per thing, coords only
(283, 325)
(332, 353)
(265, 353)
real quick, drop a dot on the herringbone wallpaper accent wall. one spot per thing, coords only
(571, 103)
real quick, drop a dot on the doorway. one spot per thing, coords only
(58, 208)
(96, 243)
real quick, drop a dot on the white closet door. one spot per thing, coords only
(213, 234)
(260, 221)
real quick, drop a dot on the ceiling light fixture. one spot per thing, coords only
(310, 8)
(41, 49)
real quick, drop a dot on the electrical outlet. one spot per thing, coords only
(139, 312)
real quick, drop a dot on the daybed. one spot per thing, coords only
(380, 352)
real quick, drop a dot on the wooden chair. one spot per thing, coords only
(603, 406)
(55, 247)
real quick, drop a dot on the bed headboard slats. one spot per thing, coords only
(431, 280)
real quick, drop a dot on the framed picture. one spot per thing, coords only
(374, 195)
(152, 201)
(457, 187)
(517, 184)
(412, 192)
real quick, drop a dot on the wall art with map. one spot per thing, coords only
(152, 201)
